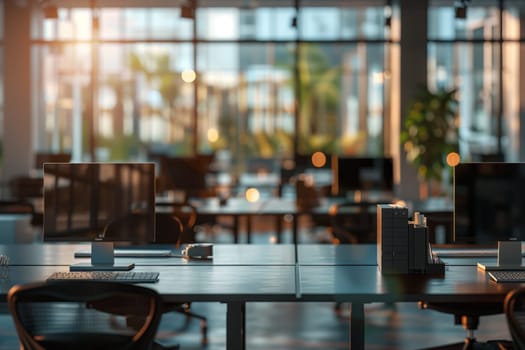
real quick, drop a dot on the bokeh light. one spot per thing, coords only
(318, 159)
(188, 75)
(213, 135)
(453, 159)
(252, 195)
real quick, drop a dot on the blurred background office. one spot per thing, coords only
(252, 93)
(240, 80)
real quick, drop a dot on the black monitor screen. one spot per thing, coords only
(363, 174)
(184, 173)
(99, 201)
(489, 202)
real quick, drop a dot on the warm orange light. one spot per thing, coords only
(252, 195)
(453, 159)
(318, 159)
(213, 135)
(188, 76)
(400, 203)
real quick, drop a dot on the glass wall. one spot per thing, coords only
(479, 54)
(341, 72)
(126, 83)
(115, 93)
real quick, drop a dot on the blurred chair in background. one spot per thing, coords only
(187, 175)
(25, 187)
(170, 229)
(353, 222)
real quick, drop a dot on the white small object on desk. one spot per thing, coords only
(198, 250)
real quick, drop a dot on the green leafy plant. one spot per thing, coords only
(430, 132)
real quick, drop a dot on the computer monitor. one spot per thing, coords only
(362, 174)
(186, 174)
(489, 203)
(102, 203)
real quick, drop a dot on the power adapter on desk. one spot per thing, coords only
(198, 251)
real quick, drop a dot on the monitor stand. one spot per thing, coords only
(509, 257)
(102, 259)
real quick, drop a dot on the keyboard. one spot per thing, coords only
(131, 253)
(508, 276)
(466, 253)
(116, 276)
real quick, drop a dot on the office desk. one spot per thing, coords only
(281, 207)
(238, 208)
(288, 206)
(236, 275)
(233, 207)
(194, 282)
(360, 285)
(335, 255)
(240, 274)
(349, 273)
(232, 285)
(53, 254)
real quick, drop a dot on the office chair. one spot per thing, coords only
(467, 314)
(514, 308)
(25, 187)
(353, 222)
(187, 175)
(169, 229)
(16, 207)
(68, 315)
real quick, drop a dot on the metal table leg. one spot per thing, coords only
(357, 326)
(235, 326)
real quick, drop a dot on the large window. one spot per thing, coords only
(118, 93)
(262, 80)
(341, 79)
(479, 54)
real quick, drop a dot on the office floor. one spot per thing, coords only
(307, 326)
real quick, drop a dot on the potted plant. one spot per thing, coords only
(430, 133)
